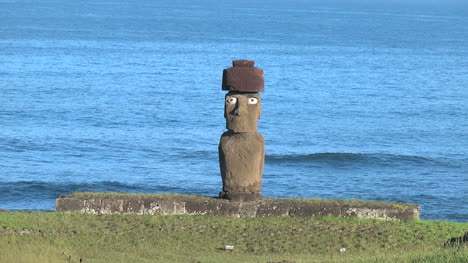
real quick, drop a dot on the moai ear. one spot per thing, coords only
(225, 116)
(259, 108)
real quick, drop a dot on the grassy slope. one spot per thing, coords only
(60, 237)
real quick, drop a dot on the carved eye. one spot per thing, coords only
(231, 100)
(252, 100)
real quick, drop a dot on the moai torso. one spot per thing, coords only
(242, 148)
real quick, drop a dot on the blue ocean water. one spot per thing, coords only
(363, 100)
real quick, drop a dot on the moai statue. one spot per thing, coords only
(242, 148)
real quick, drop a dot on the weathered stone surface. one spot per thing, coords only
(241, 160)
(69, 204)
(382, 213)
(309, 209)
(242, 111)
(243, 63)
(244, 77)
(222, 207)
(197, 207)
(226, 209)
(242, 149)
(248, 209)
(110, 206)
(134, 206)
(166, 207)
(275, 208)
(92, 206)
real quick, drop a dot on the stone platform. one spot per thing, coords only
(116, 203)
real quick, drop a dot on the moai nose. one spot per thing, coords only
(240, 109)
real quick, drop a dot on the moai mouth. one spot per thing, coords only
(242, 148)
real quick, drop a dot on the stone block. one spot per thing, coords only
(273, 209)
(133, 206)
(244, 77)
(196, 207)
(248, 209)
(112, 206)
(165, 207)
(223, 207)
(314, 209)
(69, 204)
(92, 205)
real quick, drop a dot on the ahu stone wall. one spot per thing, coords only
(215, 206)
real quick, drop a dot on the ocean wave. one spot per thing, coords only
(40, 189)
(381, 159)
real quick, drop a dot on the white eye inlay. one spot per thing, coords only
(231, 100)
(252, 100)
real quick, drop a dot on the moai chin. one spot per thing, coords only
(242, 148)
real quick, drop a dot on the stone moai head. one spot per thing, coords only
(242, 149)
(242, 107)
(242, 110)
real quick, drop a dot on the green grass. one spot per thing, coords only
(69, 237)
